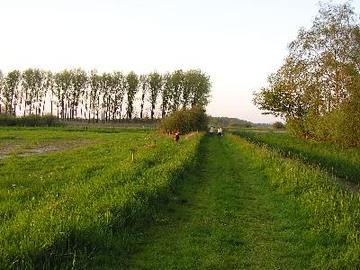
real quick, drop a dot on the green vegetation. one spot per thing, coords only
(57, 206)
(110, 198)
(247, 207)
(333, 212)
(278, 125)
(226, 216)
(317, 89)
(337, 160)
(227, 122)
(80, 197)
(185, 121)
(29, 121)
(75, 94)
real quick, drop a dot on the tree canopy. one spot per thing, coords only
(317, 88)
(77, 94)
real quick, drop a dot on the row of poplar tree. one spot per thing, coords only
(77, 94)
(317, 89)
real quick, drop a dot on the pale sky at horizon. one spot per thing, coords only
(238, 43)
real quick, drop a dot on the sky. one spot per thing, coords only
(238, 43)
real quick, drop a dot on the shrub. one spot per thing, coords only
(29, 121)
(342, 125)
(350, 124)
(185, 121)
(7, 120)
(278, 125)
(296, 127)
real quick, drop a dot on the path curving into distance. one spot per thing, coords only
(225, 216)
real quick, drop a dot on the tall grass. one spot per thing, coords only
(58, 205)
(337, 160)
(333, 212)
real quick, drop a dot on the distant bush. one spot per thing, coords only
(185, 121)
(7, 120)
(227, 122)
(29, 121)
(239, 125)
(278, 125)
(297, 127)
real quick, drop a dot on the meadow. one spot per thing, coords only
(55, 204)
(338, 160)
(331, 209)
(110, 198)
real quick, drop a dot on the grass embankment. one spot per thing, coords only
(57, 208)
(340, 161)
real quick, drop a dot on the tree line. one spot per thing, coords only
(77, 94)
(317, 89)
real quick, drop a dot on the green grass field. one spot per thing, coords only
(337, 160)
(54, 204)
(135, 199)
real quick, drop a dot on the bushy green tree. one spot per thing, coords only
(117, 92)
(47, 90)
(79, 94)
(176, 85)
(132, 84)
(144, 86)
(11, 91)
(62, 85)
(166, 94)
(155, 86)
(278, 125)
(94, 95)
(79, 81)
(32, 90)
(185, 121)
(105, 90)
(313, 87)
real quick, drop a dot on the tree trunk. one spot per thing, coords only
(152, 111)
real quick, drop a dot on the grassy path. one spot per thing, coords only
(225, 216)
